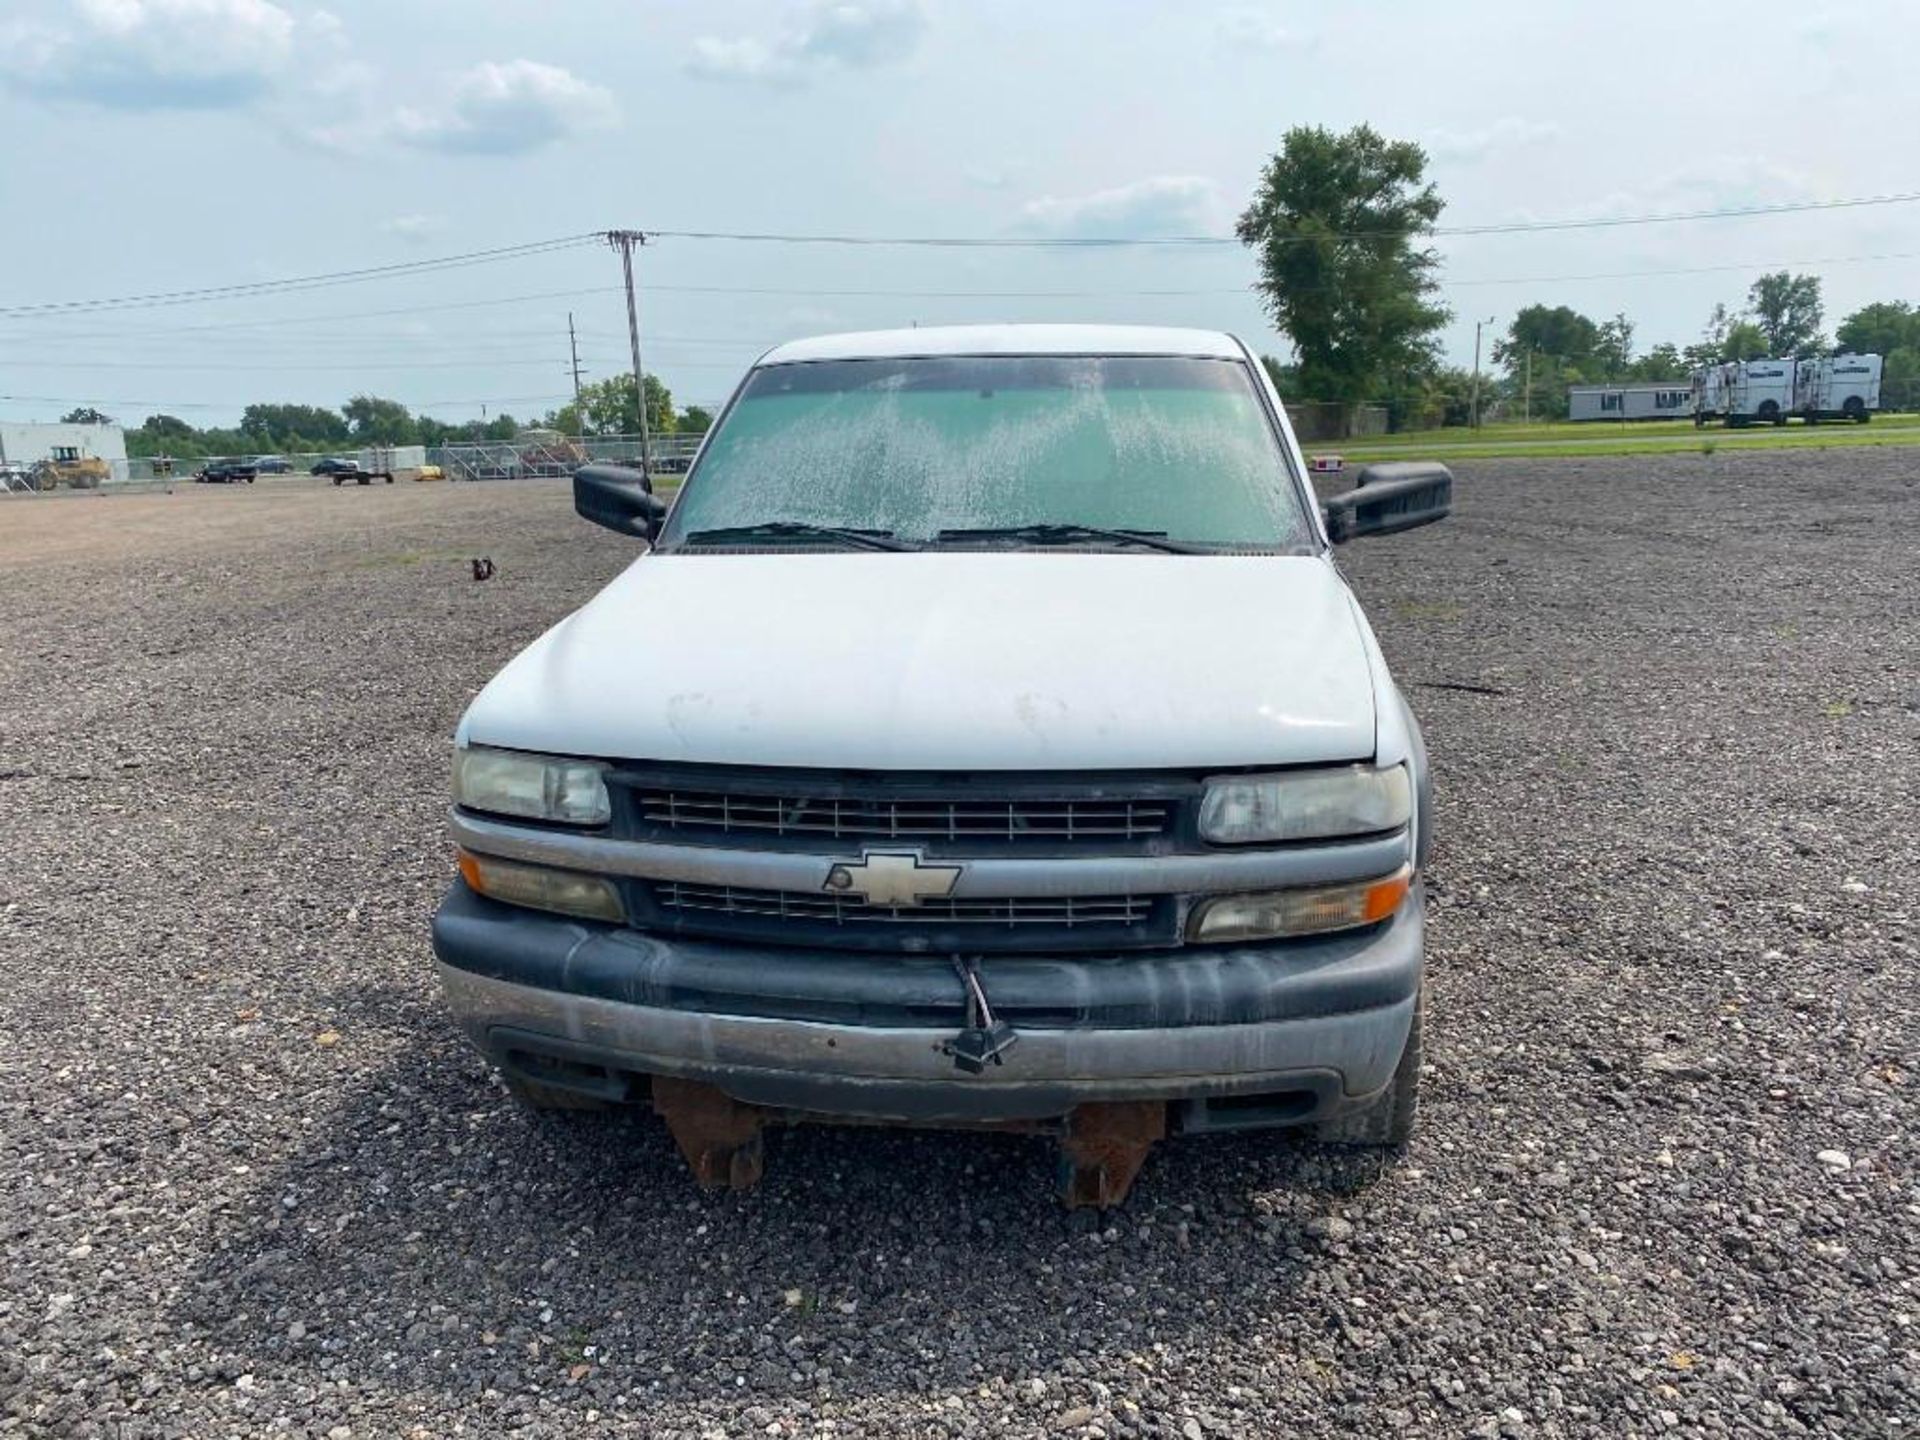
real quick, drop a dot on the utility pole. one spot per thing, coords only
(573, 346)
(624, 241)
(1475, 412)
(1529, 419)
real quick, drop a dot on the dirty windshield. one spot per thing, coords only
(1056, 446)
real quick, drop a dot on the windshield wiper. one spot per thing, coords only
(1066, 534)
(799, 530)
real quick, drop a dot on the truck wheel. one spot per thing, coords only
(532, 1095)
(1769, 413)
(1855, 410)
(1386, 1120)
(337, 479)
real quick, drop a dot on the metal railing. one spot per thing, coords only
(532, 458)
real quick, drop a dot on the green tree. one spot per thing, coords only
(1557, 331)
(1880, 328)
(1285, 376)
(1335, 225)
(1900, 378)
(86, 415)
(293, 426)
(1662, 362)
(1788, 311)
(1710, 348)
(1613, 348)
(373, 421)
(167, 427)
(1745, 340)
(608, 407)
(696, 420)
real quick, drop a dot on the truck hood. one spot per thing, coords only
(958, 661)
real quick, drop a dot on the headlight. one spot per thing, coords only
(507, 782)
(1305, 805)
(566, 892)
(1277, 913)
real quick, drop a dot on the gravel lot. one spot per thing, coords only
(252, 1183)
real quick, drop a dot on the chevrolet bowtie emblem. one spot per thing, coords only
(897, 880)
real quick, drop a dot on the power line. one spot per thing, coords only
(303, 282)
(822, 292)
(1048, 242)
(375, 314)
(1683, 270)
(168, 405)
(1735, 212)
(371, 364)
(254, 289)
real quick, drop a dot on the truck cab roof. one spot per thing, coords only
(1009, 340)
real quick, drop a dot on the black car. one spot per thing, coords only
(272, 465)
(334, 465)
(226, 472)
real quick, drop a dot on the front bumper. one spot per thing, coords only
(1236, 1036)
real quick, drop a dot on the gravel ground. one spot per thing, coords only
(252, 1183)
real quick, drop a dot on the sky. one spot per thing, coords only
(154, 146)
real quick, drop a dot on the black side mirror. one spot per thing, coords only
(1395, 496)
(618, 498)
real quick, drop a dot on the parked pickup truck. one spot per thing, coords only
(986, 737)
(226, 472)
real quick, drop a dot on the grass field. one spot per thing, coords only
(1655, 437)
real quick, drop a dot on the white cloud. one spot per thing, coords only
(1727, 182)
(414, 227)
(1246, 28)
(743, 58)
(851, 34)
(1509, 132)
(864, 33)
(154, 54)
(1158, 205)
(506, 108)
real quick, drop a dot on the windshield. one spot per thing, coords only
(921, 448)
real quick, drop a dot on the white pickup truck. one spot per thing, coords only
(986, 737)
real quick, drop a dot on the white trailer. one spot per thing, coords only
(385, 461)
(1656, 400)
(1709, 393)
(1759, 391)
(1838, 387)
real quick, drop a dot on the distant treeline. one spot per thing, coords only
(606, 407)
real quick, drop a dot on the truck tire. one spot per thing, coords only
(532, 1095)
(1387, 1120)
(1856, 410)
(1769, 413)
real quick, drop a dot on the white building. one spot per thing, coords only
(25, 444)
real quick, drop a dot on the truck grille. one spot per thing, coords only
(1056, 912)
(905, 817)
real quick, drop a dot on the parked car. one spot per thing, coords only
(333, 465)
(1015, 754)
(272, 465)
(225, 472)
